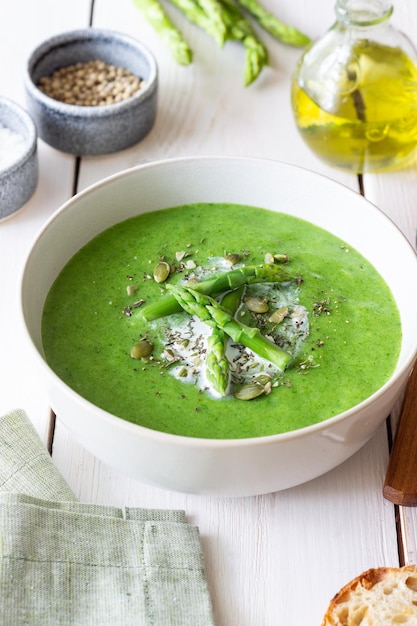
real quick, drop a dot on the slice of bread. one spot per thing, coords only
(383, 596)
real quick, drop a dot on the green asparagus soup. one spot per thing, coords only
(302, 328)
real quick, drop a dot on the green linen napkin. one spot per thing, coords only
(66, 563)
(25, 465)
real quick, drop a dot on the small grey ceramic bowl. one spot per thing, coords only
(19, 168)
(92, 130)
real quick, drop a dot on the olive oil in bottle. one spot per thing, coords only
(354, 93)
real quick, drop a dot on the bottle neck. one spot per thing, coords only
(363, 12)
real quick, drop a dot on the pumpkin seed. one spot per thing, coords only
(256, 304)
(269, 258)
(232, 258)
(141, 349)
(131, 289)
(249, 391)
(281, 258)
(266, 382)
(278, 315)
(263, 379)
(161, 272)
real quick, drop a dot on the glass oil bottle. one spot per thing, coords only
(354, 91)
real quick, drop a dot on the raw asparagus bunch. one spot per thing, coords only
(246, 275)
(240, 29)
(223, 20)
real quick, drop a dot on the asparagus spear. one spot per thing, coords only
(246, 275)
(214, 12)
(211, 312)
(240, 29)
(170, 35)
(217, 365)
(199, 16)
(278, 29)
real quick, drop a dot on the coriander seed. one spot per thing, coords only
(94, 83)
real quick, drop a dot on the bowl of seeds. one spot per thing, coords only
(18, 157)
(92, 91)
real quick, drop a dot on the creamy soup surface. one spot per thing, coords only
(346, 348)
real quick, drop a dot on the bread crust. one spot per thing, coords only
(379, 596)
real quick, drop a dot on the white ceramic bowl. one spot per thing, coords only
(223, 467)
(92, 130)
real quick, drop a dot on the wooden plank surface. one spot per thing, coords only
(257, 549)
(23, 26)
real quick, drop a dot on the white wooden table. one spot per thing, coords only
(273, 559)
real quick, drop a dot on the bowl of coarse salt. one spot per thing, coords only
(92, 91)
(18, 157)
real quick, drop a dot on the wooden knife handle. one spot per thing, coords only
(400, 484)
